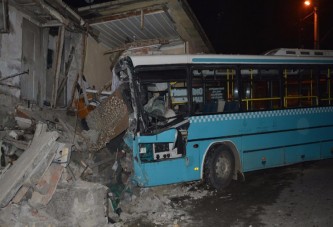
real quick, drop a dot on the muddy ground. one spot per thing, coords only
(298, 195)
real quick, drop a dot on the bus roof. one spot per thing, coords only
(299, 52)
(228, 59)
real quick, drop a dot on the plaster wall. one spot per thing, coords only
(11, 53)
(97, 65)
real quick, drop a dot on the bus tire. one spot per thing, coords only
(219, 168)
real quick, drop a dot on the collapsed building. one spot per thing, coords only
(63, 159)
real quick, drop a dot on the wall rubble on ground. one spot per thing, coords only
(38, 186)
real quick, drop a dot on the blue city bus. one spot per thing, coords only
(216, 117)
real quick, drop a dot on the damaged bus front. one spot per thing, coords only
(158, 128)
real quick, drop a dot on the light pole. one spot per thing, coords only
(315, 23)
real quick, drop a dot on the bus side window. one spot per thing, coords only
(261, 89)
(211, 88)
(300, 88)
(326, 87)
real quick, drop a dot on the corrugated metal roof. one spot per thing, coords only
(116, 33)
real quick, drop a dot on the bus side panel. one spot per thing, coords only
(268, 132)
(168, 171)
(326, 149)
(263, 159)
(298, 146)
(302, 153)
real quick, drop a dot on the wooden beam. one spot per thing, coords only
(139, 43)
(60, 47)
(67, 67)
(132, 13)
(79, 75)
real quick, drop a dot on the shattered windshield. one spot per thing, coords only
(163, 97)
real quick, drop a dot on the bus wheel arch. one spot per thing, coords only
(221, 164)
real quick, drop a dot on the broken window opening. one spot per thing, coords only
(163, 98)
(4, 25)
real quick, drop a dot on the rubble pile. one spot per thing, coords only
(54, 173)
(40, 169)
(162, 206)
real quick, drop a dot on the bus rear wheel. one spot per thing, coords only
(219, 168)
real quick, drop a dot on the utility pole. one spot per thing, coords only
(315, 28)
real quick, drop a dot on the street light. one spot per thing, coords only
(315, 24)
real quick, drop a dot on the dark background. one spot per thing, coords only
(255, 26)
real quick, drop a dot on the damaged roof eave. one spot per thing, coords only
(45, 13)
(178, 13)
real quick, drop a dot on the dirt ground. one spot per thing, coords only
(298, 195)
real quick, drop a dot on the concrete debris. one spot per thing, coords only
(79, 204)
(23, 123)
(91, 136)
(47, 160)
(39, 175)
(159, 205)
(13, 134)
(46, 186)
(3, 171)
(20, 194)
(62, 155)
(110, 118)
(27, 168)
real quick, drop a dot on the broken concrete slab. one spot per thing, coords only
(29, 167)
(40, 129)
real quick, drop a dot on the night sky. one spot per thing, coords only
(255, 26)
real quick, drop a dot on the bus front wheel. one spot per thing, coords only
(219, 168)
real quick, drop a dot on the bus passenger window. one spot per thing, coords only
(326, 87)
(300, 88)
(309, 93)
(211, 89)
(260, 89)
